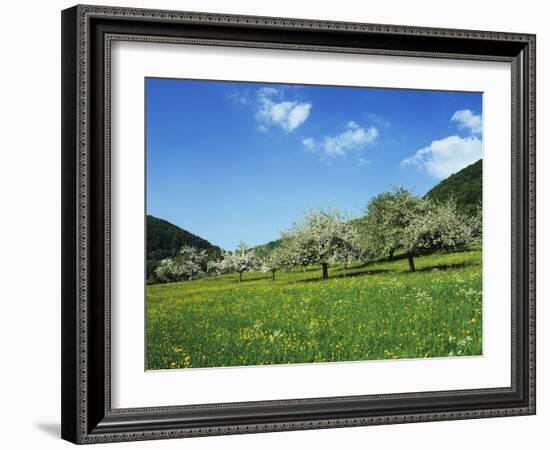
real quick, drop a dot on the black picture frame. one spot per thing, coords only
(87, 416)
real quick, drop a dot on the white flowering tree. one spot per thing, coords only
(166, 271)
(388, 214)
(476, 223)
(400, 220)
(292, 252)
(272, 260)
(219, 267)
(323, 237)
(435, 226)
(240, 261)
(188, 264)
(191, 261)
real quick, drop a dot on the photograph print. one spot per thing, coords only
(298, 224)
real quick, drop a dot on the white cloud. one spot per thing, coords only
(353, 138)
(364, 162)
(469, 120)
(446, 156)
(309, 144)
(378, 120)
(272, 110)
(268, 92)
(240, 97)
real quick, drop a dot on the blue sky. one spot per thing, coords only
(233, 161)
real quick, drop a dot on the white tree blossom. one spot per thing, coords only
(166, 271)
(435, 226)
(476, 224)
(388, 214)
(240, 261)
(399, 220)
(191, 261)
(189, 264)
(272, 260)
(323, 237)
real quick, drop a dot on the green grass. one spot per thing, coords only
(373, 312)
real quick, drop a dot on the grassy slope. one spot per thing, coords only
(361, 313)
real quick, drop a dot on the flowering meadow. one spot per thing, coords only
(373, 311)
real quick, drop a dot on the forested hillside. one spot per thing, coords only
(464, 186)
(165, 239)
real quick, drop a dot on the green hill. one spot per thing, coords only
(464, 186)
(165, 239)
(271, 245)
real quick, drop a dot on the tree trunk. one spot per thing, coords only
(411, 263)
(240, 277)
(391, 255)
(273, 275)
(325, 270)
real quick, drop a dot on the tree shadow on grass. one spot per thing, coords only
(443, 267)
(346, 275)
(382, 271)
(247, 279)
(386, 259)
(401, 256)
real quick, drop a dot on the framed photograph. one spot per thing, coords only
(279, 224)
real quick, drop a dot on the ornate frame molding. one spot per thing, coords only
(80, 417)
